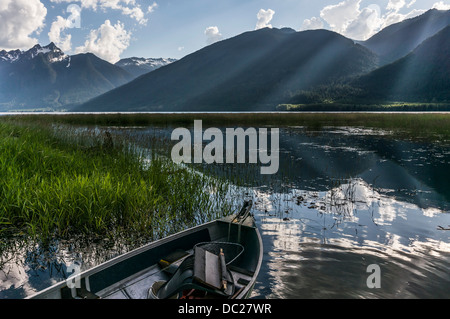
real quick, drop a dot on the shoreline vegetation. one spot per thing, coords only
(64, 175)
(59, 182)
(352, 107)
(92, 185)
(430, 125)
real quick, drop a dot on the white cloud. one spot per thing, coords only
(364, 25)
(395, 17)
(312, 24)
(152, 7)
(441, 6)
(411, 3)
(63, 42)
(339, 16)
(349, 19)
(264, 18)
(107, 42)
(127, 7)
(212, 35)
(134, 11)
(395, 5)
(86, 4)
(19, 20)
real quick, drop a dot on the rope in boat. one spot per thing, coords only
(240, 218)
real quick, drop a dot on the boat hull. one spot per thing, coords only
(115, 278)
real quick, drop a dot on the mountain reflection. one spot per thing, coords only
(321, 246)
(413, 171)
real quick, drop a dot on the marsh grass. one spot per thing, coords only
(434, 126)
(380, 107)
(74, 173)
(61, 182)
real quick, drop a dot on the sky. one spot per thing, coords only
(115, 29)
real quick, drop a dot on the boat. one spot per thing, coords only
(217, 260)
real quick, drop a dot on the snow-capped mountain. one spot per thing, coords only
(139, 66)
(47, 78)
(10, 56)
(51, 52)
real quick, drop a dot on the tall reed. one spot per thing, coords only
(60, 181)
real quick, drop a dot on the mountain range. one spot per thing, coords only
(139, 66)
(254, 71)
(258, 70)
(397, 40)
(422, 75)
(46, 78)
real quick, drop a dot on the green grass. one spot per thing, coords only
(57, 180)
(434, 126)
(60, 182)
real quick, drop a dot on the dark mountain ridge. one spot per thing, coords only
(398, 40)
(44, 77)
(251, 71)
(254, 71)
(422, 75)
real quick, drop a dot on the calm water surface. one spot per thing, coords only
(356, 197)
(344, 199)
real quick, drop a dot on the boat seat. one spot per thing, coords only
(200, 271)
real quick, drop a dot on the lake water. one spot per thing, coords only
(343, 200)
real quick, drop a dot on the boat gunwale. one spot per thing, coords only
(89, 272)
(247, 290)
(123, 257)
